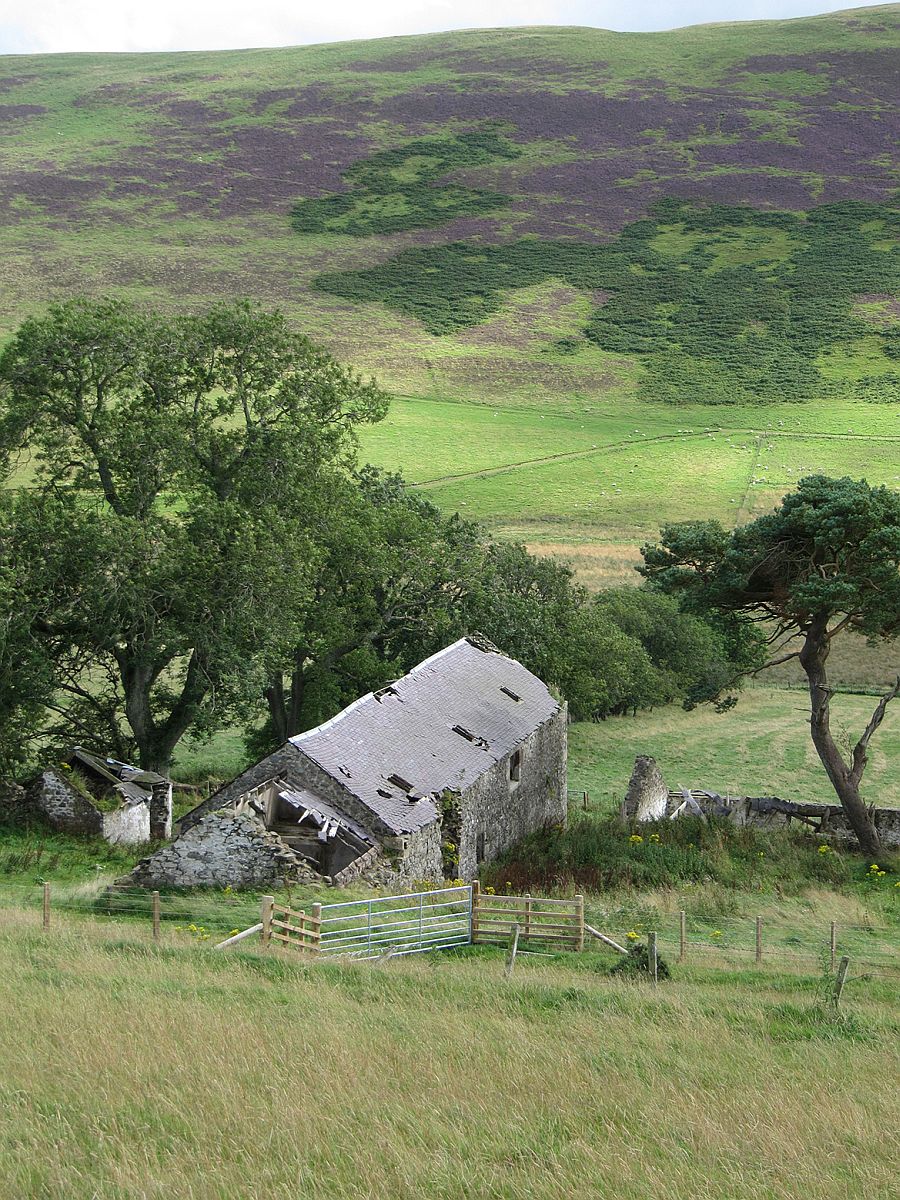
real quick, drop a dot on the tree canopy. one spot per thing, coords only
(827, 560)
(181, 465)
(202, 548)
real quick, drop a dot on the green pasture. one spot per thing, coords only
(594, 485)
(761, 747)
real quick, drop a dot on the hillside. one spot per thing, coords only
(555, 233)
(509, 213)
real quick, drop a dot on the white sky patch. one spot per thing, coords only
(46, 26)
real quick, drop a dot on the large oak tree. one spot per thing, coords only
(182, 469)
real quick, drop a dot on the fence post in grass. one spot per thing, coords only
(840, 980)
(46, 906)
(513, 950)
(654, 960)
(317, 928)
(759, 939)
(833, 942)
(266, 905)
(682, 936)
(476, 896)
(528, 914)
(579, 913)
(155, 910)
(584, 801)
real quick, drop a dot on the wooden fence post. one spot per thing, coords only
(476, 896)
(833, 942)
(584, 801)
(654, 959)
(527, 914)
(759, 939)
(840, 980)
(579, 913)
(317, 927)
(46, 906)
(155, 909)
(682, 936)
(513, 949)
(266, 905)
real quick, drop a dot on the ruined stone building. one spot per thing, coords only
(429, 777)
(89, 795)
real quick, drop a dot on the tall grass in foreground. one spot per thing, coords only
(131, 1071)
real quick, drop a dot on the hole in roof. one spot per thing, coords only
(384, 792)
(385, 691)
(399, 782)
(512, 695)
(471, 737)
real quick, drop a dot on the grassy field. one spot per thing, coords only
(174, 1071)
(762, 747)
(592, 485)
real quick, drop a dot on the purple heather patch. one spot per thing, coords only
(873, 74)
(15, 112)
(8, 82)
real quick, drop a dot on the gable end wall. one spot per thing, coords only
(505, 815)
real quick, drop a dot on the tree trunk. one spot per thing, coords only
(844, 779)
(156, 742)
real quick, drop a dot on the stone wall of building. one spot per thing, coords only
(221, 850)
(128, 825)
(51, 797)
(496, 812)
(417, 855)
(160, 811)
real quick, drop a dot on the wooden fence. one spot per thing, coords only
(290, 926)
(555, 924)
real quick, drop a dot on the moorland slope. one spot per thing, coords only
(618, 260)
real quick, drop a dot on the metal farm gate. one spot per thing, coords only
(407, 924)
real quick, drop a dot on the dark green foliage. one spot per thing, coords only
(597, 854)
(825, 561)
(636, 964)
(736, 308)
(402, 189)
(163, 556)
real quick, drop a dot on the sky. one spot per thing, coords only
(49, 26)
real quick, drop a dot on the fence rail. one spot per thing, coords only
(540, 920)
(407, 924)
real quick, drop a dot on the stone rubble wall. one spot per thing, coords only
(649, 799)
(647, 794)
(14, 806)
(51, 797)
(222, 850)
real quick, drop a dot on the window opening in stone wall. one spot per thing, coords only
(515, 766)
(479, 847)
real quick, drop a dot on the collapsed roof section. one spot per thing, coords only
(109, 774)
(437, 729)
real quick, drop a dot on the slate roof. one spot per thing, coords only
(409, 732)
(133, 784)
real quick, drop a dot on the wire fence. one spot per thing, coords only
(681, 936)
